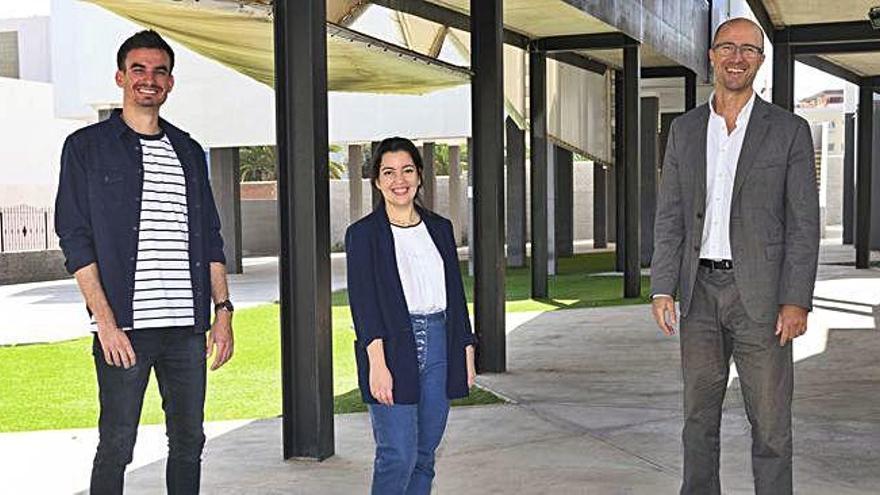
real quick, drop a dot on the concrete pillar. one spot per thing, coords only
(539, 171)
(611, 203)
(551, 208)
(487, 114)
(632, 280)
(429, 176)
(226, 185)
(875, 180)
(304, 212)
(619, 173)
(849, 177)
(600, 239)
(650, 114)
(863, 176)
(455, 215)
(564, 208)
(516, 194)
(355, 183)
(470, 205)
(783, 75)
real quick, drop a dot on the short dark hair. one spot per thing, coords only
(391, 145)
(144, 39)
(737, 20)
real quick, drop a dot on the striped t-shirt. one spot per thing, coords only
(163, 295)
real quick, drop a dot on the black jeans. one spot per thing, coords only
(178, 357)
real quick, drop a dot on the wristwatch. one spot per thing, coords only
(224, 305)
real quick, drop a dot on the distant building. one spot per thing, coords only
(825, 113)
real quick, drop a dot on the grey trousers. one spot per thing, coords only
(716, 328)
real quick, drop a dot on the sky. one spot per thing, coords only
(808, 81)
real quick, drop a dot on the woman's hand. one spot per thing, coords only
(381, 384)
(471, 367)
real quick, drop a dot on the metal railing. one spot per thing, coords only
(27, 228)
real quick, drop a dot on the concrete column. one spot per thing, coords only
(600, 239)
(355, 183)
(863, 176)
(619, 173)
(611, 203)
(551, 208)
(875, 180)
(539, 168)
(470, 205)
(487, 114)
(304, 210)
(516, 194)
(650, 114)
(632, 281)
(455, 215)
(429, 176)
(226, 185)
(564, 207)
(849, 177)
(783, 75)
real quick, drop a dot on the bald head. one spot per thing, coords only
(739, 23)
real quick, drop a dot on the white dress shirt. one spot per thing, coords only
(421, 269)
(722, 154)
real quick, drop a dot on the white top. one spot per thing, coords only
(722, 154)
(421, 269)
(163, 295)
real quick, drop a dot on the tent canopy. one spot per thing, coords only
(240, 36)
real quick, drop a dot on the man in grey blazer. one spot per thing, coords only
(737, 240)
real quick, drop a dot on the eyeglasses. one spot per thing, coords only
(747, 51)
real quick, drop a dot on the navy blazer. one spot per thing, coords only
(379, 308)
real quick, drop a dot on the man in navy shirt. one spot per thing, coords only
(140, 232)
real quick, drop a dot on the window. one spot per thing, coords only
(9, 54)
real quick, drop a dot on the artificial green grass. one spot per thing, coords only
(52, 386)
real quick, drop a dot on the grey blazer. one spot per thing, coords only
(774, 215)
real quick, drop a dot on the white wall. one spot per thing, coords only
(34, 62)
(30, 143)
(217, 105)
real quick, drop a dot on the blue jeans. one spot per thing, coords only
(178, 357)
(408, 434)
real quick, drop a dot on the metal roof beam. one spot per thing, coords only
(831, 32)
(580, 61)
(671, 71)
(446, 17)
(601, 41)
(830, 68)
(851, 47)
(762, 16)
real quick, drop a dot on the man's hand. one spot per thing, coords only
(116, 346)
(663, 309)
(220, 337)
(381, 384)
(791, 322)
(471, 366)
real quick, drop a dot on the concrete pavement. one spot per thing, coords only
(596, 409)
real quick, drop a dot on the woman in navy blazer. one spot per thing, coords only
(414, 347)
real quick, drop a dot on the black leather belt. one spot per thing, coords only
(717, 264)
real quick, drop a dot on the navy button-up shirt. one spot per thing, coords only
(98, 208)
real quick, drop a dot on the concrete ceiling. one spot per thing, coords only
(785, 13)
(614, 58)
(792, 12)
(540, 18)
(862, 64)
